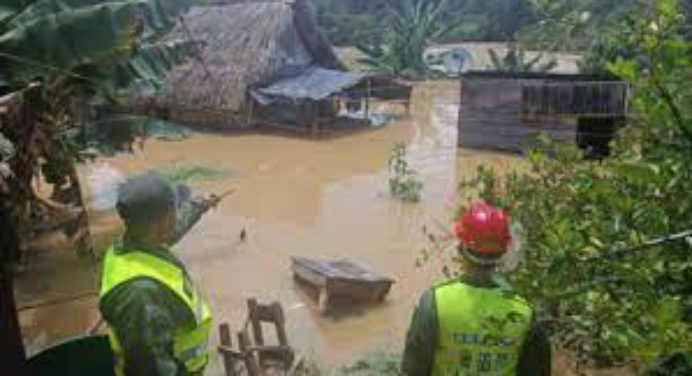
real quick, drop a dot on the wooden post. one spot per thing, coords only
(84, 241)
(367, 100)
(253, 368)
(323, 300)
(314, 122)
(255, 322)
(250, 114)
(280, 322)
(226, 340)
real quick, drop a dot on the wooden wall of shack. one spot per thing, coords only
(501, 111)
(301, 115)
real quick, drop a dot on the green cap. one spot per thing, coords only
(145, 198)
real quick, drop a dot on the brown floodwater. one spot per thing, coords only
(296, 197)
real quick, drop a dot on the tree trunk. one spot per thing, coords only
(83, 241)
(12, 355)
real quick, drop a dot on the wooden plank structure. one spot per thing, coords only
(253, 355)
(506, 111)
(340, 279)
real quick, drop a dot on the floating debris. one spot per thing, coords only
(345, 279)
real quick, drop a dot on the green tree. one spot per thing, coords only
(411, 28)
(491, 20)
(573, 25)
(515, 60)
(349, 22)
(57, 58)
(606, 291)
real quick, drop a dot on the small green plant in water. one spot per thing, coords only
(186, 173)
(378, 363)
(404, 183)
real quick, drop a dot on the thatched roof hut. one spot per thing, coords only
(247, 45)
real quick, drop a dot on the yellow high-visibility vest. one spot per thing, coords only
(190, 345)
(480, 331)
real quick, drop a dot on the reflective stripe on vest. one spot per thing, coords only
(190, 345)
(480, 331)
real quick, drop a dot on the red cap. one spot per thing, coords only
(484, 230)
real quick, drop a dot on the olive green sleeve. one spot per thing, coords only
(144, 315)
(421, 339)
(187, 215)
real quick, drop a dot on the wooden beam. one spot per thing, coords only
(251, 364)
(367, 100)
(253, 309)
(227, 343)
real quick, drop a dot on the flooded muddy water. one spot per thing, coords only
(296, 197)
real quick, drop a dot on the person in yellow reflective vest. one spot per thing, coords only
(159, 324)
(471, 326)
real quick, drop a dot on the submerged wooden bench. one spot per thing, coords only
(340, 279)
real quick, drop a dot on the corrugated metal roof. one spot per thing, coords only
(314, 83)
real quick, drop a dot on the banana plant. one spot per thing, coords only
(412, 28)
(58, 36)
(515, 60)
(59, 57)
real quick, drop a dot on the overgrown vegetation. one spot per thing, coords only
(187, 173)
(61, 63)
(410, 29)
(404, 183)
(515, 60)
(591, 27)
(578, 25)
(349, 22)
(605, 293)
(549, 24)
(381, 364)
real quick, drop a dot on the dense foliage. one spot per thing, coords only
(605, 305)
(410, 29)
(575, 25)
(89, 40)
(59, 59)
(349, 22)
(592, 27)
(515, 60)
(491, 20)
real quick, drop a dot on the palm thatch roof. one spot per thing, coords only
(246, 45)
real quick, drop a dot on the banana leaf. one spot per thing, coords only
(64, 34)
(157, 15)
(147, 70)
